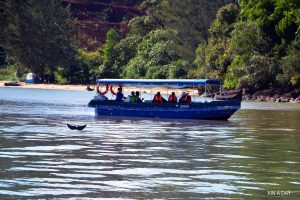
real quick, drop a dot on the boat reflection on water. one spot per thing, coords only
(182, 123)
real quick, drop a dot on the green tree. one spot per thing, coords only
(2, 25)
(109, 67)
(139, 28)
(39, 35)
(84, 68)
(256, 72)
(191, 18)
(222, 26)
(290, 70)
(248, 38)
(126, 49)
(279, 20)
(213, 59)
(156, 55)
(177, 26)
(290, 65)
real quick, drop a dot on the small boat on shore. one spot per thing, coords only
(210, 108)
(12, 84)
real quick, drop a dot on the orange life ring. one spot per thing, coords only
(99, 91)
(112, 90)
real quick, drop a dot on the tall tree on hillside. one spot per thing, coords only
(279, 19)
(109, 68)
(191, 18)
(2, 25)
(168, 37)
(38, 34)
(213, 59)
(159, 55)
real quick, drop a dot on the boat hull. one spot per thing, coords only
(215, 110)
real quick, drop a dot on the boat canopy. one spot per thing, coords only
(167, 83)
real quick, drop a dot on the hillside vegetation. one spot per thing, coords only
(246, 44)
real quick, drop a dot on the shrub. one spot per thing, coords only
(12, 73)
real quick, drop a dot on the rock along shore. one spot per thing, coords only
(272, 95)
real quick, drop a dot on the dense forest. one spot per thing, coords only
(251, 44)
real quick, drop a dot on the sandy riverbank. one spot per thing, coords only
(84, 87)
(46, 86)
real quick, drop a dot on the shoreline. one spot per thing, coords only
(45, 86)
(84, 87)
(268, 95)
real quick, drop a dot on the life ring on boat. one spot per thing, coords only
(104, 92)
(111, 88)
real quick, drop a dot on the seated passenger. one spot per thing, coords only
(137, 96)
(173, 98)
(158, 98)
(133, 98)
(185, 98)
(188, 99)
(119, 96)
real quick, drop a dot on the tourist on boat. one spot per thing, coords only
(120, 95)
(188, 99)
(173, 98)
(132, 98)
(185, 98)
(158, 98)
(137, 96)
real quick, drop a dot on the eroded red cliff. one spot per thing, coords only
(96, 17)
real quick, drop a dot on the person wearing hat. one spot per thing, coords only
(185, 98)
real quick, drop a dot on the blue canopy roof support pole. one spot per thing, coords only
(211, 95)
(193, 93)
(205, 94)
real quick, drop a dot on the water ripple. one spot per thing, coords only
(123, 158)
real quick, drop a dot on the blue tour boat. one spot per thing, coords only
(210, 108)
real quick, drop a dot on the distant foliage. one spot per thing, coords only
(213, 60)
(8, 73)
(279, 19)
(248, 38)
(83, 69)
(291, 64)
(246, 44)
(109, 67)
(157, 55)
(222, 26)
(255, 45)
(256, 72)
(37, 35)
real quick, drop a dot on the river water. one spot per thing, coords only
(253, 155)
